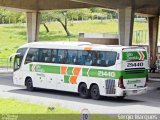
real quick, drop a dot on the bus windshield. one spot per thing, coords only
(18, 58)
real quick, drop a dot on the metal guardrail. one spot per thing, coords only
(5, 63)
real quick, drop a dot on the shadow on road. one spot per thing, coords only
(105, 101)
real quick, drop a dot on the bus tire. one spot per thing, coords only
(95, 94)
(83, 91)
(29, 84)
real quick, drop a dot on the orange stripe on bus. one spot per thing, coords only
(88, 48)
(63, 70)
(76, 71)
(73, 79)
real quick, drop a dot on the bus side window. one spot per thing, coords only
(111, 56)
(102, 59)
(32, 55)
(88, 60)
(72, 57)
(48, 56)
(81, 58)
(94, 58)
(54, 58)
(62, 56)
(45, 55)
(99, 58)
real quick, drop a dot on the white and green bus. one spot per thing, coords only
(92, 70)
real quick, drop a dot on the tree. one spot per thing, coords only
(60, 16)
(44, 19)
(11, 16)
(79, 13)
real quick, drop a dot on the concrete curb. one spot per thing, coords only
(154, 79)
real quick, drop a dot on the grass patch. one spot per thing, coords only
(12, 106)
(13, 36)
(29, 111)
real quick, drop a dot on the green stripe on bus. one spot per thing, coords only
(66, 78)
(85, 71)
(46, 68)
(98, 73)
(69, 71)
(134, 75)
(145, 54)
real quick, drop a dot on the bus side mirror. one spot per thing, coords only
(10, 59)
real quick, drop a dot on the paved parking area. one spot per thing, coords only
(146, 103)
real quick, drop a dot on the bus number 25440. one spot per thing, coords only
(134, 64)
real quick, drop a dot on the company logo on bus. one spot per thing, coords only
(131, 56)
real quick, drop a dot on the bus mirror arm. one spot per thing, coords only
(11, 56)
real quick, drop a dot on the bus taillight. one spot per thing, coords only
(120, 83)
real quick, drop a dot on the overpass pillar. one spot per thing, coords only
(126, 22)
(153, 37)
(33, 24)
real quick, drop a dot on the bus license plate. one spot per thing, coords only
(135, 91)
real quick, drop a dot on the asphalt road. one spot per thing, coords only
(146, 103)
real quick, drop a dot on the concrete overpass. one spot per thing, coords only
(126, 9)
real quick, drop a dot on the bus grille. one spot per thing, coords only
(110, 86)
(134, 71)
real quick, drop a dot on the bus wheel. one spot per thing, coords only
(83, 91)
(29, 84)
(95, 92)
